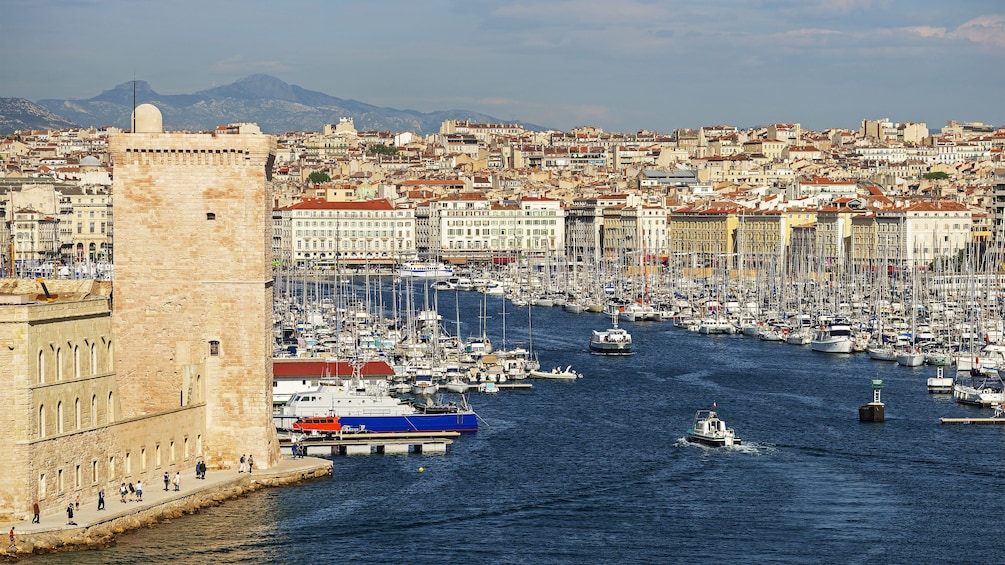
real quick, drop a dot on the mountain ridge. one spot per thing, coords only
(273, 104)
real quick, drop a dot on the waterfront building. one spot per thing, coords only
(473, 228)
(319, 233)
(706, 233)
(585, 226)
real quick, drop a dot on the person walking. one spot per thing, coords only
(34, 508)
(177, 482)
(132, 491)
(12, 544)
(101, 499)
(69, 515)
(123, 491)
(139, 491)
(251, 463)
(242, 468)
(167, 480)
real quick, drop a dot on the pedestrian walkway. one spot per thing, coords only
(54, 519)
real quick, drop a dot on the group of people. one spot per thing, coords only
(128, 492)
(176, 481)
(247, 464)
(134, 492)
(298, 451)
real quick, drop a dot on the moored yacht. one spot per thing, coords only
(835, 337)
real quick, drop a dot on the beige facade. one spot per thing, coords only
(193, 257)
(64, 434)
(100, 393)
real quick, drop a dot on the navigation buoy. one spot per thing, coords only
(875, 411)
(421, 469)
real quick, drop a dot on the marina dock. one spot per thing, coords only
(977, 421)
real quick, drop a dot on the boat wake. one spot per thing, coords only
(752, 448)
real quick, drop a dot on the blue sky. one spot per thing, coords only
(622, 65)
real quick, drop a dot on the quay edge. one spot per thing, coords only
(98, 533)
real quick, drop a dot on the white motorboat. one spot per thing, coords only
(716, 326)
(708, 429)
(637, 312)
(979, 386)
(612, 341)
(456, 385)
(556, 373)
(833, 338)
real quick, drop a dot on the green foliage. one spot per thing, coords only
(937, 175)
(318, 177)
(382, 149)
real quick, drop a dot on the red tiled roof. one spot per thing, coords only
(313, 368)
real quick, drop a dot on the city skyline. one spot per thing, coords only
(620, 66)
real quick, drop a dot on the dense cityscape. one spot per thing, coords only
(478, 193)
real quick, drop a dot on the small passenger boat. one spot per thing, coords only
(612, 341)
(556, 373)
(708, 429)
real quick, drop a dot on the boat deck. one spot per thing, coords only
(387, 443)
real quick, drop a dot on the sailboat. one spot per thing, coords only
(912, 355)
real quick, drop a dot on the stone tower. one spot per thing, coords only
(192, 302)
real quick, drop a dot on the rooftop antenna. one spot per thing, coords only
(132, 117)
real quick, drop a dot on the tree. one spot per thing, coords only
(382, 149)
(937, 175)
(318, 177)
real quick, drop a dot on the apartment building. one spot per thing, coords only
(319, 233)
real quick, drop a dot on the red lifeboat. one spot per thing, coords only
(318, 425)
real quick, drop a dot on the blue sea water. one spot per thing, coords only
(596, 470)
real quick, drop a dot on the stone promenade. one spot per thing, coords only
(95, 528)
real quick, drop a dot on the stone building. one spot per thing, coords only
(194, 256)
(101, 392)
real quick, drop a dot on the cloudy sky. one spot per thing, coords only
(622, 65)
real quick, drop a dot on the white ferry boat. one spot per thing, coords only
(425, 270)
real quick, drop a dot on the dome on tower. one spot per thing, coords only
(147, 119)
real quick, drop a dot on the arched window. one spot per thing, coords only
(94, 410)
(76, 413)
(59, 417)
(110, 360)
(94, 359)
(59, 363)
(41, 420)
(110, 410)
(76, 362)
(41, 366)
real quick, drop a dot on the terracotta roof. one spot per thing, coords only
(313, 368)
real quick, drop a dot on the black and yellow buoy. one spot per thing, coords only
(875, 411)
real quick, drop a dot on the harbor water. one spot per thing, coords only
(596, 470)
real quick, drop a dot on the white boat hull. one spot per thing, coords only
(833, 345)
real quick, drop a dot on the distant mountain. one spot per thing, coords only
(275, 106)
(20, 114)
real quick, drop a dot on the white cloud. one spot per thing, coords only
(984, 30)
(927, 31)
